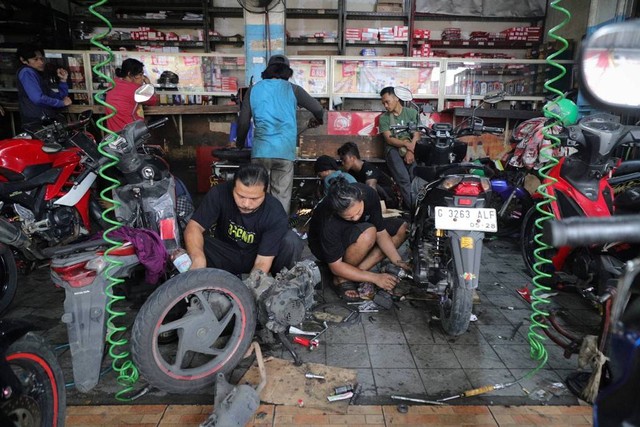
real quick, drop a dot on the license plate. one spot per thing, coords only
(466, 219)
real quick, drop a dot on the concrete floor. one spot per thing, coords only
(401, 351)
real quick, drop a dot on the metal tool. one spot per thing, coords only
(411, 399)
(477, 391)
(324, 323)
(310, 375)
(311, 344)
(399, 272)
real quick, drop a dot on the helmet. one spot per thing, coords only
(565, 108)
(168, 79)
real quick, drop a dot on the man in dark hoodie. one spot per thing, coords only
(35, 97)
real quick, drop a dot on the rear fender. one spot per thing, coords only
(466, 250)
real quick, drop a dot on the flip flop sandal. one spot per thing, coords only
(366, 290)
(342, 290)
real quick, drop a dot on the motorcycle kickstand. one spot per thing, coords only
(285, 342)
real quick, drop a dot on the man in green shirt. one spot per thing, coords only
(400, 165)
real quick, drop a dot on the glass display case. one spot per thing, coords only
(312, 73)
(364, 77)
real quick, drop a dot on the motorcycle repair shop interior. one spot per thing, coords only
(490, 316)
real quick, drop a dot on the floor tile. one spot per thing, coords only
(435, 356)
(348, 355)
(391, 356)
(398, 381)
(441, 383)
(477, 356)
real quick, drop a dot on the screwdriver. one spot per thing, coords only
(477, 391)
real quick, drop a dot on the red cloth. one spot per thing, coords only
(122, 99)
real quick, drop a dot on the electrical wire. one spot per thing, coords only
(121, 362)
(538, 301)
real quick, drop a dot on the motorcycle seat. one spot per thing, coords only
(431, 173)
(628, 167)
(236, 155)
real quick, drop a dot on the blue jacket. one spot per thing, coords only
(35, 97)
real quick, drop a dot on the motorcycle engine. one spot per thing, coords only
(58, 225)
(283, 301)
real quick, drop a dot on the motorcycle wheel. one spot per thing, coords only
(43, 401)
(528, 243)
(511, 222)
(8, 278)
(455, 307)
(214, 331)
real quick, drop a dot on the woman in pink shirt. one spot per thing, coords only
(129, 77)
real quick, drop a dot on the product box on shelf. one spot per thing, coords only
(421, 34)
(389, 7)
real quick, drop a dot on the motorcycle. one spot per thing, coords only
(32, 391)
(608, 58)
(45, 198)
(147, 201)
(580, 185)
(450, 217)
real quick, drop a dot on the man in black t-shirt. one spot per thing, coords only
(368, 173)
(250, 227)
(348, 232)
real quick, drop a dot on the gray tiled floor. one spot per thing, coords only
(401, 351)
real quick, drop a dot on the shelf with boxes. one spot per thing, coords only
(319, 29)
(161, 26)
(388, 26)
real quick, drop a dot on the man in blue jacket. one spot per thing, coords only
(272, 104)
(35, 97)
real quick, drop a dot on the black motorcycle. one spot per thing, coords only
(32, 391)
(450, 217)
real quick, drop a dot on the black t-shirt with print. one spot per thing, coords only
(371, 171)
(259, 232)
(326, 227)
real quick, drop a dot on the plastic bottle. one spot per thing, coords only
(181, 260)
(467, 100)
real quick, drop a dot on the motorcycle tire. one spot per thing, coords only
(43, 401)
(211, 337)
(511, 222)
(455, 308)
(8, 278)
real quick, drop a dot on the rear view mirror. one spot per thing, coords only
(403, 93)
(610, 64)
(144, 93)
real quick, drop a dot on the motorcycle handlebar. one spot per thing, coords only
(578, 231)
(491, 129)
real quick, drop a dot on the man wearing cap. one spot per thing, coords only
(326, 168)
(272, 104)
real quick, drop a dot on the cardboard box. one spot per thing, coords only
(389, 7)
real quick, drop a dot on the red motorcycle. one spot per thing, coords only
(45, 198)
(580, 186)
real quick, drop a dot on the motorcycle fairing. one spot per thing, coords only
(77, 191)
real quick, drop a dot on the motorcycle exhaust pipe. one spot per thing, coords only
(13, 236)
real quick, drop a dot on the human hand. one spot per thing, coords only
(386, 281)
(313, 123)
(402, 264)
(146, 80)
(409, 157)
(67, 101)
(62, 74)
